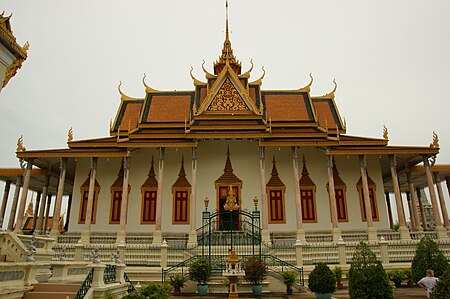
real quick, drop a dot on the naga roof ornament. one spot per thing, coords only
(20, 147)
(70, 135)
(196, 81)
(259, 81)
(435, 142)
(147, 88)
(331, 94)
(307, 88)
(385, 133)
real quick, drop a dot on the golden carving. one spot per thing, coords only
(385, 133)
(228, 99)
(435, 142)
(231, 204)
(70, 135)
(20, 147)
(12, 70)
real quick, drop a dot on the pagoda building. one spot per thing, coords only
(170, 153)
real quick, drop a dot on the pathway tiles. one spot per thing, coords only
(400, 293)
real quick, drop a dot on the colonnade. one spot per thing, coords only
(42, 209)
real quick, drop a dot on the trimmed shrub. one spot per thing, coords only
(200, 270)
(367, 278)
(428, 256)
(322, 280)
(442, 287)
(255, 270)
(156, 291)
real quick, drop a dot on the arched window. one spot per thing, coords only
(307, 196)
(276, 189)
(181, 191)
(149, 191)
(340, 190)
(116, 198)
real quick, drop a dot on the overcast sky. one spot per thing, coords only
(390, 59)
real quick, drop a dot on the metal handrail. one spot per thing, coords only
(181, 265)
(85, 286)
(109, 275)
(130, 286)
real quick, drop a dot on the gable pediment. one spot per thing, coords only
(228, 98)
(227, 95)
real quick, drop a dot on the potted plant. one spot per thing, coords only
(200, 271)
(408, 277)
(338, 274)
(255, 272)
(177, 282)
(397, 277)
(289, 278)
(322, 281)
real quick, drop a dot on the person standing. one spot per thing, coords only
(428, 282)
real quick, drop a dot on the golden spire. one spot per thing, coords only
(227, 56)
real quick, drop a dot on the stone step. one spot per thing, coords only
(53, 291)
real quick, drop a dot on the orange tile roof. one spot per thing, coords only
(172, 108)
(324, 114)
(130, 116)
(287, 107)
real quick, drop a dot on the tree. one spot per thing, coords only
(366, 277)
(428, 256)
(442, 287)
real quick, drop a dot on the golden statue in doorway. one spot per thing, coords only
(231, 204)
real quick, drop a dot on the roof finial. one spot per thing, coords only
(227, 34)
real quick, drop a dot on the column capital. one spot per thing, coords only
(94, 162)
(330, 161)
(363, 161)
(162, 151)
(393, 160)
(262, 152)
(194, 153)
(126, 163)
(294, 152)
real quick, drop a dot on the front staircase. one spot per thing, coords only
(53, 291)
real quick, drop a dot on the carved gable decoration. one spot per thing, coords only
(228, 99)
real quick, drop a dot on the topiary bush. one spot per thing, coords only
(428, 256)
(367, 278)
(255, 270)
(200, 270)
(152, 291)
(321, 279)
(441, 289)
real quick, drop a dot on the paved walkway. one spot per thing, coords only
(400, 293)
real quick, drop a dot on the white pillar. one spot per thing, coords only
(404, 232)
(413, 195)
(332, 200)
(298, 201)
(23, 201)
(440, 230)
(265, 234)
(192, 240)
(12, 216)
(157, 235)
(121, 234)
(437, 180)
(56, 214)
(86, 233)
(371, 231)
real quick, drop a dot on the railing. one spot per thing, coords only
(179, 266)
(109, 275)
(277, 265)
(130, 286)
(85, 286)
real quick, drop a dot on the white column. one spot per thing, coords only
(414, 201)
(42, 206)
(4, 202)
(437, 180)
(404, 232)
(265, 234)
(332, 200)
(371, 231)
(23, 201)
(12, 215)
(86, 233)
(422, 209)
(157, 235)
(121, 234)
(192, 240)
(298, 201)
(440, 230)
(57, 212)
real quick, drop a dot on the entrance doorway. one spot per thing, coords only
(228, 220)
